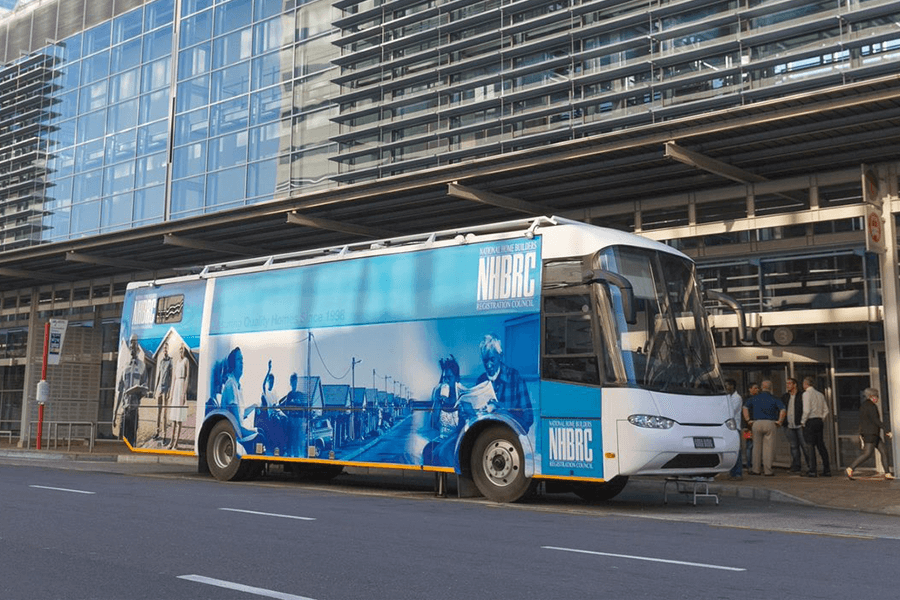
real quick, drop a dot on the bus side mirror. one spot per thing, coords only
(733, 305)
(625, 289)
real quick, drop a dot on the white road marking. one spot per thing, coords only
(44, 487)
(647, 558)
(265, 514)
(242, 588)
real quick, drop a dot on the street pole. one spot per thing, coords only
(43, 388)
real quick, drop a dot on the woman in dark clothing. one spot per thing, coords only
(870, 426)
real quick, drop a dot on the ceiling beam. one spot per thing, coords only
(170, 239)
(716, 167)
(295, 218)
(484, 197)
(40, 275)
(121, 263)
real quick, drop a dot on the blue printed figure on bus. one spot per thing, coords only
(509, 390)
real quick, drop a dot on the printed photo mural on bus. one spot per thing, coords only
(155, 395)
(397, 393)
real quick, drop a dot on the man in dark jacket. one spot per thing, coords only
(870, 426)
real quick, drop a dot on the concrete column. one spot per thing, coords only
(34, 347)
(890, 284)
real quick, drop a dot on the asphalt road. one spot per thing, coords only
(169, 533)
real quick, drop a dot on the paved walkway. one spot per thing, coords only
(868, 493)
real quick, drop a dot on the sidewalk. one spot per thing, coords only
(868, 493)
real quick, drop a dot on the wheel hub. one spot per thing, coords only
(501, 462)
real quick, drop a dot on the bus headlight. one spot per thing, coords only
(651, 421)
(731, 424)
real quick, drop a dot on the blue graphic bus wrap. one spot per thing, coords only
(507, 354)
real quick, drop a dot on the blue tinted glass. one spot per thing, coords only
(229, 116)
(266, 8)
(122, 116)
(267, 36)
(265, 141)
(189, 160)
(124, 85)
(149, 204)
(91, 125)
(269, 105)
(65, 135)
(127, 26)
(232, 48)
(89, 156)
(96, 38)
(191, 6)
(187, 196)
(67, 106)
(226, 187)
(64, 162)
(232, 15)
(118, 178)
(72, 48)
(150, 170)
(57, 224)
(230, 82)
(261, 178)
(157, 44)
(156, 75)
(120, 146)
(153, 137)
(69, 75)
(192, 94)
(125, 56)
(61, 192)
(192, 126)
(85, 217)
(92, 97)
(228, 150)
(267, 70)
(115, 212)
(95, 67)
(158, 13)
(196, 29)
(87, 186)
(193, 61)
(154, 106)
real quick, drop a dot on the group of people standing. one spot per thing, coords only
(802, 416)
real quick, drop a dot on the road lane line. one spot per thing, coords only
(265, 514)
(647, 558)
(242, 588)
(45, 487)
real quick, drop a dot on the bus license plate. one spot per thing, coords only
(703, 442)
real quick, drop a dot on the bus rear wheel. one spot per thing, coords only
(222, 455)
(498, 465)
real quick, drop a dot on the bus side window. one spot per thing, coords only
(568, 353)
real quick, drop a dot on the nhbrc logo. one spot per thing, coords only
(144, 311)
(569, 444)
(506, 277)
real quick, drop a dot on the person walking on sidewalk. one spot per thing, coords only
(765, 413)
(736, 403)
(815, 411)
(793, 402)
(870, 426)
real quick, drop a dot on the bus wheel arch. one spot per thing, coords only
(497, 463)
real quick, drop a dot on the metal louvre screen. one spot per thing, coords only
(97, 11)
(121, 6)
(3, 27)
(71, 18)
(19, 41)
(43, 26)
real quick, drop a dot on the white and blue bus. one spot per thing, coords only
(507, 354)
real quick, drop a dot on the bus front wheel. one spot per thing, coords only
(222, 454)
(498, 465)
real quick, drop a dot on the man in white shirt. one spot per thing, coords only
(815, 411)
(736, 404)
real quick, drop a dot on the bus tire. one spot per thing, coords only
(222, 454)
(498, 465)
(599, 492)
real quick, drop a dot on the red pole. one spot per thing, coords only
(40, 426)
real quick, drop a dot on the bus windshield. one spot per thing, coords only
(670, 347)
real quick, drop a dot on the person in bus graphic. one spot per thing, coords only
(509, 387)
(269, 420)
(132, 387)
(233, 394)
(163, 388)
(178, 406)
